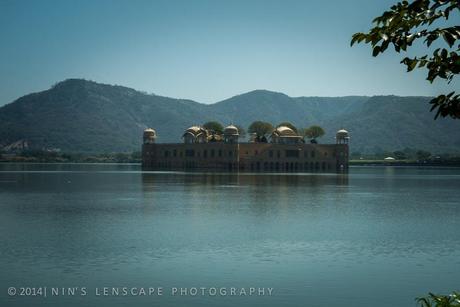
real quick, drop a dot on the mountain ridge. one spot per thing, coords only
(78, 115)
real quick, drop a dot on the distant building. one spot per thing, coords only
(285, 151)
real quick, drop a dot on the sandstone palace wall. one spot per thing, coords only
(246, 157)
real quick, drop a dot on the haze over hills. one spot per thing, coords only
(84, 116)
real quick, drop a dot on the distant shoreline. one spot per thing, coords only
(453, 163)
(353, 163)
(82, 163)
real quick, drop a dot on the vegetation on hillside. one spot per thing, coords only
(402, 154)
(43, 156)
(407, 156)
(87, 117)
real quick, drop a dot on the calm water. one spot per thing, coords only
(375, 237)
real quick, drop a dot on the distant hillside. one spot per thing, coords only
(84, 116)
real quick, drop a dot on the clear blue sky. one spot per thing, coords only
(201, 50)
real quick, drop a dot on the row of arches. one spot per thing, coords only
(289, 166)
(254, 166)
(192, 164)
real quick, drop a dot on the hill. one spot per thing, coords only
(83, 116)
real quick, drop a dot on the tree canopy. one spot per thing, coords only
(214, 126)
(260, 128)
(314, 132)
(406, 23)
(289, 125)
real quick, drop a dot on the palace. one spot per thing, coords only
(284, 151)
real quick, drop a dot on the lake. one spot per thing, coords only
(378, 236)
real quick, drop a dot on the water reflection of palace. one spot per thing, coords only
(285, 151)
(202, 180)
(259, 193)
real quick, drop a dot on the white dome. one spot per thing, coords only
(149, 136)
(149, 131)
(231, 130)
(284, 131)
(342, 133)
(195, 130)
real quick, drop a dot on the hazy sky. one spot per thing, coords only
(201, 50)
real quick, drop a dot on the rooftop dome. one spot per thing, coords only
(342, 134)
(149, 131)
(194, 130)
(284, 131)
(149, 136)
(231, 130)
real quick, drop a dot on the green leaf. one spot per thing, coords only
(376, 51)
(384, 46)
(449, 38)
(444, 53)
